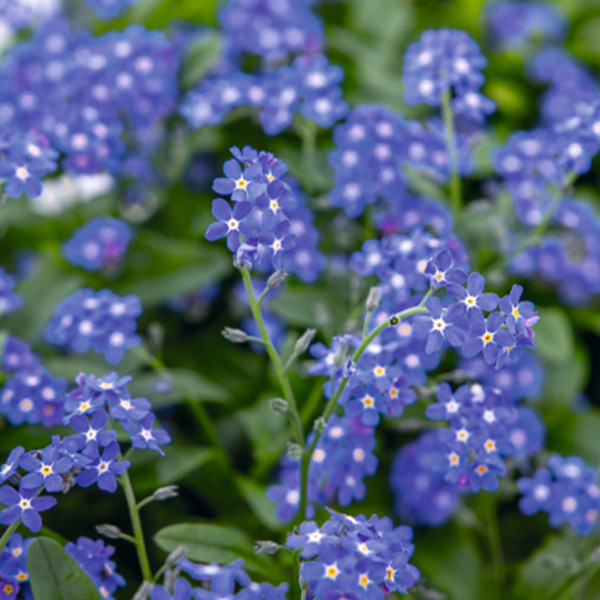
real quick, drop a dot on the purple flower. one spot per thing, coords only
(24, 505)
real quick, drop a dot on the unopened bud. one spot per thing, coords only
(294, 451)
(156, 333)
(320, 424)
(278, 405)
(143, 592)
(304, 341)
(166, 492)
(266, 547)
(175, 556)
(236, 336)
(109, 531)
(373, 299)
(276, 278)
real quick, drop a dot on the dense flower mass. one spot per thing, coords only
(568, 491)
(309, 85)
(446, 59)
(389, 354)
(101, 321)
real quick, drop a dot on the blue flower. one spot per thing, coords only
(439, 325)
(24, 505)
(143, 436)
(182, 591)
(520, 316)
(45, 468)
(487, 336)
(102, 468)
(9, 468)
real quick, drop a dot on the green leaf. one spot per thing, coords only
(150, 471)
(310, 307)
(553, 335)
(544, 573)
(256, 497)
(203, 53)
(211, 543)
(450, 560)
(54, 574)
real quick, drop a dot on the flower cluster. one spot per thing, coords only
(100, 320)
(309, 84)
(355, 557)
(568, 491)
(341, 460)
(89, 456)
(100, 244)
(93, 556)
(446, 59)
(374, 144)
(9, 301)
(514, 25)
(265, 223)
(32, 395)
(271, 28)
(80, 95)
(224, 582)
(14, 576)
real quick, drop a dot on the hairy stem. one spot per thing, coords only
(455, 182)
(136, 524)
(284, 381)
(8, 533)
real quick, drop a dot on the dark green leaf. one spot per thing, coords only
(54, 574)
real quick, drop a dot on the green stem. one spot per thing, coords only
(284, 381)
(455, 182)
(136, 523)
(495, 545)
(308, 135)
(8, 533)
(332, 402)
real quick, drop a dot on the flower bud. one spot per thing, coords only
(175, 556)
(109, 531)
(278, 405)
(236, 336)
(320, 424)
(304, 341)
(276, 278)
(373, 299)
(143, 592)
(266, 547)
(294, 451)
(168, 491)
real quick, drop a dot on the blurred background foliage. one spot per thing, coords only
(170, 257)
